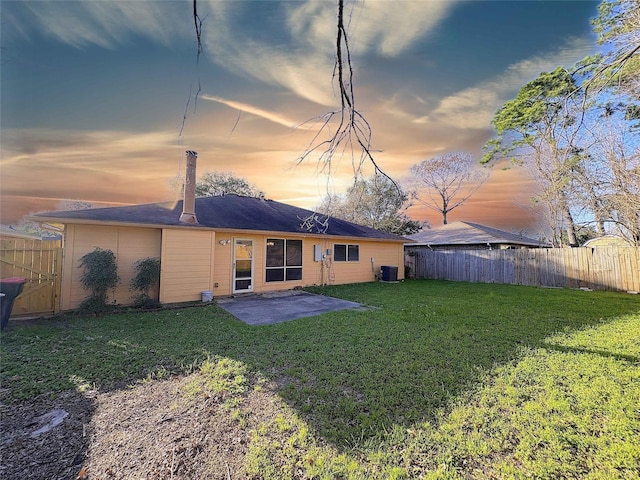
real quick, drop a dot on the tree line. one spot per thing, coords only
(577, 131)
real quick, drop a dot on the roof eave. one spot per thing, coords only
(113, 223)
(108, 223)
(435, 244)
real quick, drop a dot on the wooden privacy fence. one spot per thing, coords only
(601, 268)
(39, 261)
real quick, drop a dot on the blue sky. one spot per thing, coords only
(93, 93)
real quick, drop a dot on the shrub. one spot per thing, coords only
(100, 275)
(147, 276)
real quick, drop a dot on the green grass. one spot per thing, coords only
(441, 380)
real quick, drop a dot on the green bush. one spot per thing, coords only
(93, 304)
(99, 276)
(147, 276)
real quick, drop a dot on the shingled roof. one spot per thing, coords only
(467, 233)
(232, 212)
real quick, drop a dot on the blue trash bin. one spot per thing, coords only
(10, 289)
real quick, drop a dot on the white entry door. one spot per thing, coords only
(242, 266)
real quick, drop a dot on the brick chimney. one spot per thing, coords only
(189, 200)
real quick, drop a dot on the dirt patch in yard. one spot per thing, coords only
(153, 430)
(54, 454)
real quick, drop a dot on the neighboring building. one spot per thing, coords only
(469, 236)
(607, 241)
(460, 236)
(227, 245)
(9, 232)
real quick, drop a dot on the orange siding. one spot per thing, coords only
(313, 273)
(366, 269)
(187, 256)
(194, 260)
(128, 244)
(222, 258)
(134, 244)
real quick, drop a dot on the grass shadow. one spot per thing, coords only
(602, 353)
(351, 375)
(45, 437)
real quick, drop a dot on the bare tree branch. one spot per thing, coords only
(197, 22)
(353, 132)
(446, 182)
(599, 80)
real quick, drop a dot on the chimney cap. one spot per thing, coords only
(192, 153)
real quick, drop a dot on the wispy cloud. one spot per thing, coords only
(368, 23)
(105, 24)
(95, 152)
(306, 69)
(259, 112)
(474, 107)
(135, 167)
(411, 21)
(231, 36)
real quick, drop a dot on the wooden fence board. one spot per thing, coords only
(600, 268)
(39, 262)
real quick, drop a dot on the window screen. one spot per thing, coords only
(346, 253)
(283, 260)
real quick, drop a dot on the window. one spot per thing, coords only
(353, 253)
(284, 260)
(346, 253)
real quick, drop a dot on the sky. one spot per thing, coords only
(98, 98)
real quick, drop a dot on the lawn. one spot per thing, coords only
(437, 380)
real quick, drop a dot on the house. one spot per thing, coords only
(459, 236)
(225, 245)
(607, 241)
(469, 236)
(9, 232)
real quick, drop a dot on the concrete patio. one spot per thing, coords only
(276, 307)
